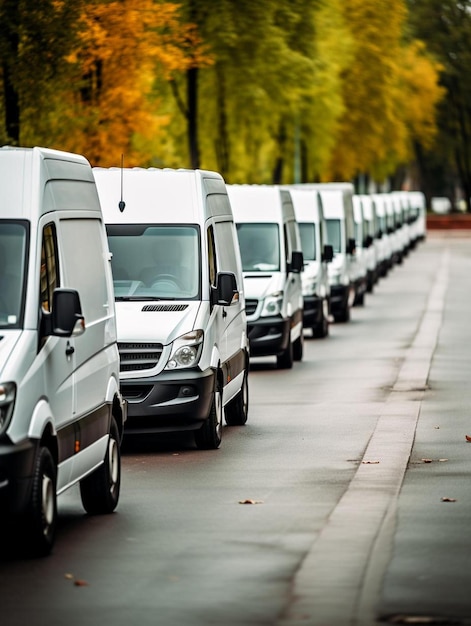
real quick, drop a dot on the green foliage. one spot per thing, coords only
(445, 27)
(266, 91)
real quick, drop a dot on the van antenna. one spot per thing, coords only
(122, 204)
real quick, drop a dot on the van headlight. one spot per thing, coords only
(7, 402)
(272, 305)
(186, 350)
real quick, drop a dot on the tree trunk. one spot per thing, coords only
(192, 85)
(222, 142)
(12, 108)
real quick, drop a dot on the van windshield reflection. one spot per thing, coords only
(334, 234)
(13, 263)
(308, 240)
(259, 247)
(155, 262)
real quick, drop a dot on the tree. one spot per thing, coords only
(122, 46)
(390, 92)
(34, 40)
(445, 27)
(263, 102)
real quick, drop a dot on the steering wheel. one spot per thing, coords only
(168, 278)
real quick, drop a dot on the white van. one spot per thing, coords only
(272, 261)
(419, 214)
(180, 306)
(61, 412)
(337, 200)
(317, 255)
(364, 237)
(384, 232)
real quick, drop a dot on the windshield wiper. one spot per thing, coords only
(140, 298)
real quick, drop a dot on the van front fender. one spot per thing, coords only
(42, 417)
(215, 358)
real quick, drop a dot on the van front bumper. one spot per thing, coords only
(268, 336)
(168, 402)
(16, 471)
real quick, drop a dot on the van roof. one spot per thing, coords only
(261, 203)
(164, 195)
(36, 180)
(307, 204)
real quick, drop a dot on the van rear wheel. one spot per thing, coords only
(209, 436)
(100, 490)
(40, 520)
(238, 408)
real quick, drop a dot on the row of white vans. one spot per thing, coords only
(131, 301)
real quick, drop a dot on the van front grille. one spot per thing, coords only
(250, 306)
(138, 356)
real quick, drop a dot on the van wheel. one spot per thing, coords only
(298, 348)
(40, 521)
(100, 490)
(209, 436)
(238, 408)
(321, 329)
(284, 361)
(343, 315)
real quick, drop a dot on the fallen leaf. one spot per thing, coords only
(437, 427)
(69, 576)
(80, 583)
(370, 462)
(448, 499)
(468, 438)
(442, 460)
(426, 460)
(250, 501)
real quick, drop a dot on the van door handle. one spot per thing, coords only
(69, 349)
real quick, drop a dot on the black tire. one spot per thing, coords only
(360, 299)
(100, 490)
(343, 315)
(238, 409)
(321, 329)
(284, 361)
(40, 521)
(298, 348)
(209, 436)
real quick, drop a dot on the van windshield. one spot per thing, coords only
(308, 240)
(160, 262)
(13, 264)
(259, 247)
(334, 234)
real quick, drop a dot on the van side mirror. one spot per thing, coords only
(328, 253)
(351, 246)
(225, 292)
(66, 317)
(297, 262)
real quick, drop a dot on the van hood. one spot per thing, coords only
(259, 286)
(8, 341)
(159, 322)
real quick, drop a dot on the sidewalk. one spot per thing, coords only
(428, 580)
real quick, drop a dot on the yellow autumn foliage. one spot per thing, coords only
(123, 46)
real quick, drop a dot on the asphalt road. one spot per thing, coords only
(345, 461)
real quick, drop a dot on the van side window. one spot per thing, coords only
(212, 263)
(49, 279)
